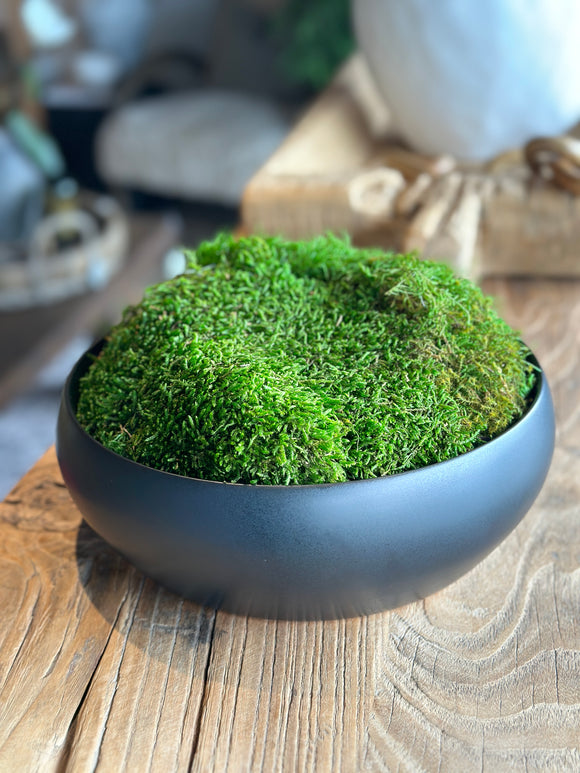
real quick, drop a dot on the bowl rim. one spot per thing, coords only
(536, 393)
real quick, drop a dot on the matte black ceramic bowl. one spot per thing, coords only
(314, 551)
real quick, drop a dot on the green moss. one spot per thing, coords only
(277, 362)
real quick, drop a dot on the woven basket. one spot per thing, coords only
(44, 276)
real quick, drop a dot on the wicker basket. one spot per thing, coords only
(44, 276)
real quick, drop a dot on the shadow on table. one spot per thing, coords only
(139, 609)
(128, 598)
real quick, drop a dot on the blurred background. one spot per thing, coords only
(131, 128)
(128, 128)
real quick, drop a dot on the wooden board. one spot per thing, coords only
(101, 669)
(342, 169)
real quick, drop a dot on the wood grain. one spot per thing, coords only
(101, 669)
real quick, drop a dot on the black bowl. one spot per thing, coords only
(314, 551)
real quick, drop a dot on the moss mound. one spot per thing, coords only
(312, 362)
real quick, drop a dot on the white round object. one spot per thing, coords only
(97, 69)
(174, 264)
(474, 78)
(46, 23)
(119, 27)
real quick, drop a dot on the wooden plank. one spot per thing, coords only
(102, 669)
(302, 188)
(97, 664)
(530, 228)
(492, 219)
(141, 709)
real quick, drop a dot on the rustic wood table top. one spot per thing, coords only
(100, 668)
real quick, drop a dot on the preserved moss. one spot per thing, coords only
(279, 362)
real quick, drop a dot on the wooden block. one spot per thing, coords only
(494, 219)
(530, 228)
(302, 188)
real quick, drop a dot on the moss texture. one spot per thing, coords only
(313, 362)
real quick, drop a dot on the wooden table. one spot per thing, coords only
(103, 669)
